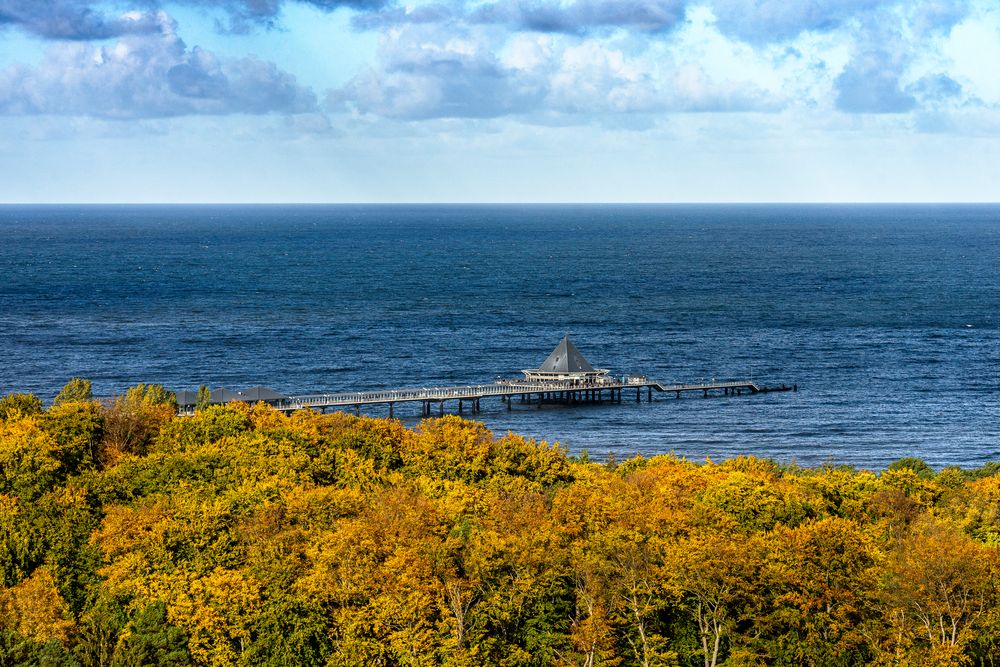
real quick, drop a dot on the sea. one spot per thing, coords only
(886, 318)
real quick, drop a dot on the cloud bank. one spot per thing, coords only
(627, 56)
(538, 60)
(535, 77)
(74, 19)
(144, 77)
(95, 19)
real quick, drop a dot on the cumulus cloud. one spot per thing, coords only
(692, 89)
(491, 58)
(583, 15)
(547, 16)
(74, 19)
(929, 17)
(879, 77)
(95, 19)
(245, 15)
(871, 84)
(752, 21)
(761, 21)
(591, 77)
(148, 77)
(420, 79)
(421, 74)
(418, 14)
(937, 88)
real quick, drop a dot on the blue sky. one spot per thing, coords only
(499, 100)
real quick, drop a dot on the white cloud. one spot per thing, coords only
(591, 78)
(764, 21)
(973, 52)
(147, 76)
(428, 72)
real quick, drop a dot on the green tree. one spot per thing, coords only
(152, 642)
(17, 405)
(915, 464)
(77, 428)
(98, 635)
(77, 390)
(204, 398)
(29, 463)
(16, 650)
(151, 394)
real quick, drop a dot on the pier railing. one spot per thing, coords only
(500, 388)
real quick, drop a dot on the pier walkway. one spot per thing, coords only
(564, 377)
(568, 392)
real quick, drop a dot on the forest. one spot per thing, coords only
(241, 536)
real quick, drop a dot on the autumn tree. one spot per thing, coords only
(716, 576)
(134, 419)
(944, 584)
(78, 429)
(35, 609)
(29, 459)
(77, 390)
(13, 406)
(823, 582)
(242, 536)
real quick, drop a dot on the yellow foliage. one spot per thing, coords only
(35, 609)
(922, 491)
(263, 418)
(28, 458)
(842, 492)
(751, 465)
(944, 582)
(9, 509)
(987, 488)
(354, 541)
(215, 610)
(754, 500)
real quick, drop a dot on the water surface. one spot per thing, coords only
(885, 316)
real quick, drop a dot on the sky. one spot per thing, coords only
(222, 101)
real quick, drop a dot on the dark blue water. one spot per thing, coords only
(887, 317)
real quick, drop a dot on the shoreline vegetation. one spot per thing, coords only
(240, 536)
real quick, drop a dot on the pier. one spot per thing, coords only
(526, 393)
(565, 378)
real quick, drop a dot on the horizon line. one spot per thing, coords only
(510, 203)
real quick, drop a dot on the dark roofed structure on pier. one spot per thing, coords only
(221, 396)
(565, 363)
(187, 399)
(566, 359)
(261, 393)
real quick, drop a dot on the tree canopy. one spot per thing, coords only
(75, 391)
(240, 536)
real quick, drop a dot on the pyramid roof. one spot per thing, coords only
(566, 359)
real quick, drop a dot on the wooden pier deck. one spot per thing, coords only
(525, 392)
